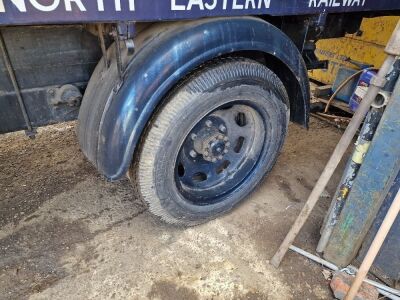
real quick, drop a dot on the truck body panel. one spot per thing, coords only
(47, 64)
(91, 11)
(43, 59)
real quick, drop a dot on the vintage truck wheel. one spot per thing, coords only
(216, 137)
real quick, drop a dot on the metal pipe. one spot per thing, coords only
(314, 258)
(388, 295)
(11, 74)
(351, 270)
(377, 83)
(350, 173)
(376, 245)
(383, 289)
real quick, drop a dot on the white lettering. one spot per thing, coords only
(100, 5)
(211, 6)
(253, 4)
(267, 3)
(237, 6)
(20, 4)
(335, 3)
(68, 6)
(312, 3)
(132, 5)
(175, 6)
(41, 7)
(324, 2)
(195, 2)
(117, 5)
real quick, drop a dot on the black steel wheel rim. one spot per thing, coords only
(220, 153)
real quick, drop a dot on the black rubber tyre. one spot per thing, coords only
(195, 129)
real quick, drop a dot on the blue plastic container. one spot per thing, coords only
(347, 91)
(361, 89)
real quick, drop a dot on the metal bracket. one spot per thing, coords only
(126, 32)
(117, 40)
(319, 22)
(311, 60)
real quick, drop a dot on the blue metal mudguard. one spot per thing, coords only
(157, 67)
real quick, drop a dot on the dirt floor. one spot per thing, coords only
(66, 233)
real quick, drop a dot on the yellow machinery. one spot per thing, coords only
(366, 46)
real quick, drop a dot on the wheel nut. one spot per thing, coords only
(193, 153)
(193, 136)
(226, 139)
(206, 153)
(209, 123)
(222, 128)
(214, 159)
(220, 157)
(226, 151)
(227, 144)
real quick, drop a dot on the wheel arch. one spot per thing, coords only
(299, 103)
(111, 122)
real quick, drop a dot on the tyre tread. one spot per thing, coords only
(143, 165)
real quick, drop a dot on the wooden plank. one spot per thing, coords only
(323, 90)
(338, 104)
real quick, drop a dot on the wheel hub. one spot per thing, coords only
(211, 142)
(220, 152)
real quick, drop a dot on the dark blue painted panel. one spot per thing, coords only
(388, 261)
(70, 11)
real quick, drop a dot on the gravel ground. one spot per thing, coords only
(66, 233)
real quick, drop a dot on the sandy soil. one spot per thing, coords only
(66, 233)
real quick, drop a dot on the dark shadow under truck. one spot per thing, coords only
(190, 99)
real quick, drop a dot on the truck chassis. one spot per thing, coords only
(195, 110)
